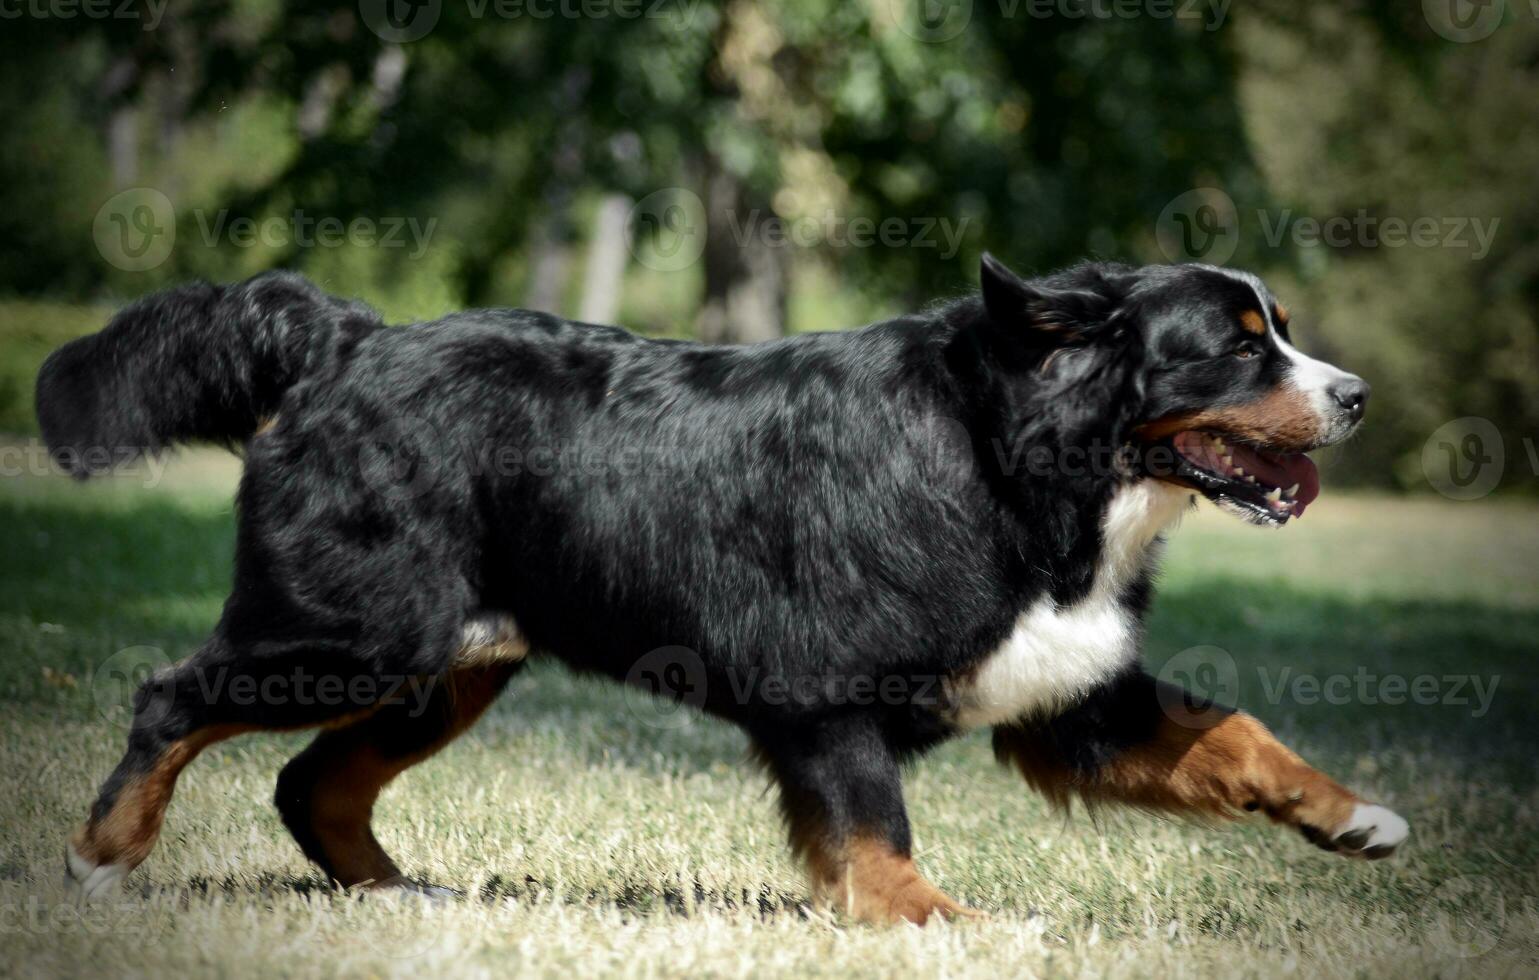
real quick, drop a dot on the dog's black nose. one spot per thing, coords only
(1351, 393)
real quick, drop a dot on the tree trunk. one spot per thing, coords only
(607, 255)
(550, 265)
(122, 132)
(745, 280)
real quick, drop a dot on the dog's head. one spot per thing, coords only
(1195, 365)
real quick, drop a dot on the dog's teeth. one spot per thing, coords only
(1291, 492)
(1239, 471)
(1228, 460)
(1250, 479)
(1275, 495)
(1218, 444)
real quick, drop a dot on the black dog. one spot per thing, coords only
(853, 545)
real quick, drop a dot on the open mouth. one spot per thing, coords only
(1260, 485)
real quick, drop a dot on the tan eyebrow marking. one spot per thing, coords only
(1251, 320)
(1281, 312)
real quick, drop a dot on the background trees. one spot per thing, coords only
(738, 150)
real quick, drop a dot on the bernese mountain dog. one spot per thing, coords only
(853, 544)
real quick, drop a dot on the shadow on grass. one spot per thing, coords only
(640, 897)
(1343, 671)
(651, 897)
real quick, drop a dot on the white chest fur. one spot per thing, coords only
(1056, 653)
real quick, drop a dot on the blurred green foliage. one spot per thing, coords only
(503, 133)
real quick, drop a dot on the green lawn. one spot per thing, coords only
(591, 842)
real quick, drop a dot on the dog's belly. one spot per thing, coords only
(1057, 654)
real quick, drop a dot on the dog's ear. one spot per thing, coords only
(1062, 310)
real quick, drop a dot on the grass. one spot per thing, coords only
(591, 842)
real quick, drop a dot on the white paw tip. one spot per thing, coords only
(1373, 830)
(92, 879)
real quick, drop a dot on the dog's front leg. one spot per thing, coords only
(1143, 742)
(842, 797)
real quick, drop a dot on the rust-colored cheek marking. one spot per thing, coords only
(1282, 420)
(1251, 320)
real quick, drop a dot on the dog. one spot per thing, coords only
(853, 545)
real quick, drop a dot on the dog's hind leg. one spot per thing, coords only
(211, 696)
(326, 793)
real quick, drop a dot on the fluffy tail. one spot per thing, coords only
(195, 363)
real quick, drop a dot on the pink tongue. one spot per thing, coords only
(1271, 470)
(1276, 470)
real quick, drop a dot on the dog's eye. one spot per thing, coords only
(1246, 351)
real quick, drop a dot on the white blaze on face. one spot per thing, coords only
(1311, 377)
(1314, 378)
